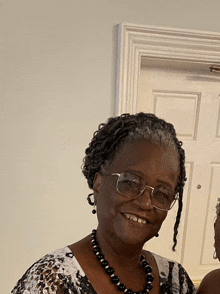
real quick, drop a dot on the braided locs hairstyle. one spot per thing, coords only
(111, 137)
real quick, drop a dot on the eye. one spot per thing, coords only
(127, 182)
(130, 180)
(136, 181)
(163, 194)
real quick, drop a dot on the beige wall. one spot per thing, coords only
(57, 84)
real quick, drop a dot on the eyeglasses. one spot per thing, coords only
(132, 186)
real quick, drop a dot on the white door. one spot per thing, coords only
(188, 95)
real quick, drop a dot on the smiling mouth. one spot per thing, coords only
(135, 218)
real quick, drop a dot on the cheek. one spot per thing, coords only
(161, 217)
(105, 199)
(110, 203)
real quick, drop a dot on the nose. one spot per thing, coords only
(144, 200)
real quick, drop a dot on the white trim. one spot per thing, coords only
(135, 41)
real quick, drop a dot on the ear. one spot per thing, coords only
(96, 184)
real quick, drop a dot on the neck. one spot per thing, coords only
(115, 279)
(117, 251)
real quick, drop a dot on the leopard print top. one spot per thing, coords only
(60, 273)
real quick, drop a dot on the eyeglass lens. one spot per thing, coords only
(132, 186)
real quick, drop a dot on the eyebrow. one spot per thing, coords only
(142, 175)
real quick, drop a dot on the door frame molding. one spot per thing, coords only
(136, 41)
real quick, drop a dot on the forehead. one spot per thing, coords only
(147, 157)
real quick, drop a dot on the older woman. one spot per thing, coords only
(211, 282)
(135, 167)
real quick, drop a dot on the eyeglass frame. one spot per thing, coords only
(146, 186)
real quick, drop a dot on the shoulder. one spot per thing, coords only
(173, 275)
(49, 272)
(210, 283)
(167, 264)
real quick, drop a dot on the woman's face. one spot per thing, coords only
(115, 212)
(217, 237)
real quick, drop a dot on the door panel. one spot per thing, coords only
(190, 99)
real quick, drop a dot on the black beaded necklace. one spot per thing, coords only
(115, 279)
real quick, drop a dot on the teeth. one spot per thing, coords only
(135, 219)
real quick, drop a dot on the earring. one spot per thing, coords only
(157, 235)
(94, 209)
(214, 255)
(92, 202)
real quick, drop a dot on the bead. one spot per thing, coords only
(148, 269)
(104, 263)
(115, 279)
(148, 287)
(109, 271)
(96, 250)
(149, 278)
(144, 263)
(121, 287)
(129, 291)
(99, 256)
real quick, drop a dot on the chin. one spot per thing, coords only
(130, 236)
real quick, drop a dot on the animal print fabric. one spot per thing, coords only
(60, 273)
